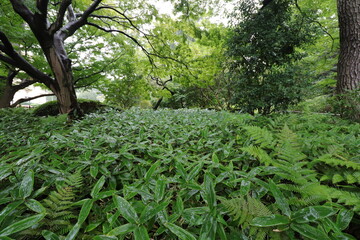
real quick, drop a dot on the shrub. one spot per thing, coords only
(52, 109)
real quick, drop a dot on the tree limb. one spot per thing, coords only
(21, 100)
(41, 19)
(64, 4)
(10, 77)
(148, 54)
(317, 22)
(18, 61)
(24, 84)
(21, 9)
(70, 28)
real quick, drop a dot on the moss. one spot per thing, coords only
(52, 108)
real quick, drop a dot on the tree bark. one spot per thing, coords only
(6, 96)
(8, 92)
(349, 59)
(63, 88)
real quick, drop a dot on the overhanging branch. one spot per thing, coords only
(18, 61)
(22, 100)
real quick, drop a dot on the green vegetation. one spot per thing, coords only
(52, 108)
(178, 174)
(119, 172)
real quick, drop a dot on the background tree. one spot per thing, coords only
(66, 18)
(348, 83)
(200, 44)
(264, 52)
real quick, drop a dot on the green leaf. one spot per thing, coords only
(221, 232)
(27, 184)
(208, 229)
(269, 221)
(123, 229)
(343, 236)
(22, 224)
(103, 237)
(180, 168)
(73, 232)
(126, 210)
(179, 205)
(209, 195)
(94, 171)
(309, 231)
(151, 170)
(215, 158)
(92, 226)
(35, 206)
(160, 189)
(179, 232)
(97, 187)
(105, 194)
(141, 233)
(313, 213)
(8, 209)
(194, 172)
(280, 199)
(5, 238)
(343, 219)
(85, 210)
(147, 213)
(49, 235)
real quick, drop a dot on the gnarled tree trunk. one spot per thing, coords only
(349, 60)
(63, 87)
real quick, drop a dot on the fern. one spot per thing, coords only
(243, 210)
(260, 154)
(59, 205)
(261, 136)
(334, 162)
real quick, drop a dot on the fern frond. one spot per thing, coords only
(329, 160)
(244, 210)
(261, 136)
(304, 202)
(58, 204)
(288, 137)
(260, 154)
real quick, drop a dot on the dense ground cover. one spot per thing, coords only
(184, 174)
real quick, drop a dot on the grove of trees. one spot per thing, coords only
(268, 57)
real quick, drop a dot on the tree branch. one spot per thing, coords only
(21, 100)
(18, 61)
(41, 19)
(10, 77)
(60, 16)
(24, 84)
(70, 28)
(127, 35)
(20, 8)
(317, 22)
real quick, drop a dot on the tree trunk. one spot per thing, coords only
(6, 96)
(64, 88)
(349, 59)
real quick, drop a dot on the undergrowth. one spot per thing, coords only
(184, 174)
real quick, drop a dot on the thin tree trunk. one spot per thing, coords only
(349, 59)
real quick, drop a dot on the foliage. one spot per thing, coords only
(184, 174)
(263, 52)
(51, 108)
(347, 104)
